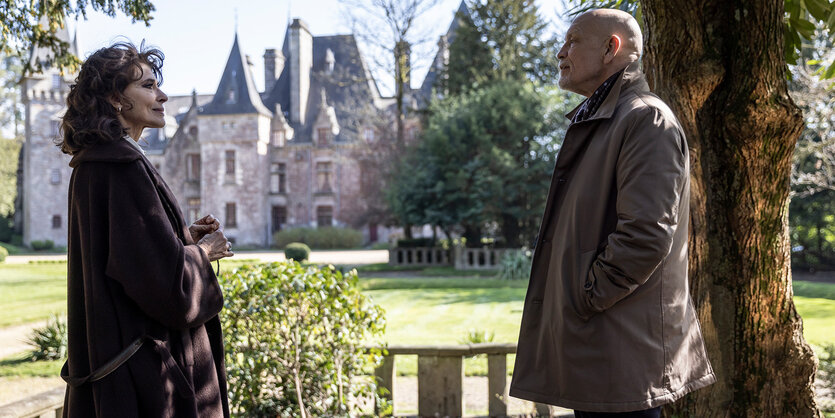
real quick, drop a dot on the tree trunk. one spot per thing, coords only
(719, 64)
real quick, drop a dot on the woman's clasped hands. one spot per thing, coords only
(208, 235)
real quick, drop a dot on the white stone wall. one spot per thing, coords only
(43, 162)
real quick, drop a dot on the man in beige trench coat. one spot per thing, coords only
(608, 324)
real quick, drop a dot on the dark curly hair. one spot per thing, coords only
(90, 116)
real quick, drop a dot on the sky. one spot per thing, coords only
(196, 35)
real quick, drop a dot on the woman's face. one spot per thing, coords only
(145, 109)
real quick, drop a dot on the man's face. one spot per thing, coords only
(581, 58)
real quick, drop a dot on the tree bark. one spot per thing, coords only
(719, 64)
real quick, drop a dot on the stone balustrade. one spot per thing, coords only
(461, 258)
(48, 404)
(419, 257)
(479, 258)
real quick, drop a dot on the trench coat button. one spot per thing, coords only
(587, 285)
(562, 181)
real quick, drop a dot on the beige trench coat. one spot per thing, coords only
(608, 324)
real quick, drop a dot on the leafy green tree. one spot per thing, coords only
(812, 209)
(485, 160)
(24, 23)
(499, 40)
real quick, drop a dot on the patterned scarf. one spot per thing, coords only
(590, 106)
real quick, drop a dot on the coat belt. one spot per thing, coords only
(171, 368)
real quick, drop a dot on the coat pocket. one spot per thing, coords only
(579, 284)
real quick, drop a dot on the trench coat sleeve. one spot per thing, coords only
(651, 171)
(171, 282)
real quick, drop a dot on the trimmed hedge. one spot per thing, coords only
(321, 238)
(3, 254)
(42, 245)
(296, 251)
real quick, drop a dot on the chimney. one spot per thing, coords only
(273, 66)
(403, 63)
(301, 62)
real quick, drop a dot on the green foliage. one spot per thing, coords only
(478, 336)
(515, 265)
(294, 337)
(11, 249)
(297, 251)
(21, 24)
(826, 373)
(499, 40)
(485, 158)
(9, 152)
(328, 237)
(3, 254)
(42, 245)
(50, 341)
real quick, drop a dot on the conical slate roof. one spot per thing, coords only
(236, 93)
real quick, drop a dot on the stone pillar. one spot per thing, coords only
(385, 375)
(440, 386)
(497, 385)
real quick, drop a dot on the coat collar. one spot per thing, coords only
(115, 150)
(632, 78)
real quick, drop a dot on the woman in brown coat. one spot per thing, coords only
(144, 337)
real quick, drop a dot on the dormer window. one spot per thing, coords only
(324, 137)
(231, 97)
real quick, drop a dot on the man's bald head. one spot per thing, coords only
(598, 43)
(607, 22)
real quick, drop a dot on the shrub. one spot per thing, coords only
(415, 243)
(515, 265)
(3, 254)
(296, 251)
(294, 339)
(328, 237)
(478, 336)
(42, 245)
(50, 341)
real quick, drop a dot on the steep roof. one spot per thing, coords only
(349, 87)
(432, 74)
(236, 93)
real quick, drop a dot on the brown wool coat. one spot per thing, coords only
(133, 270)
(608, 324)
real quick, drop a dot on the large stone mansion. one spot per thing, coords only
(259, 161)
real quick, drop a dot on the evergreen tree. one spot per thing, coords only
(500, 40)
